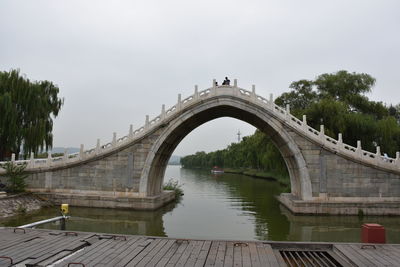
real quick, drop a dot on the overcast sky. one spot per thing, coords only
(117, 61)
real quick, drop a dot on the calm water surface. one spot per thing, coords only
(224, 206)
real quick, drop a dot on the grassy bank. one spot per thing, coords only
(282, 179)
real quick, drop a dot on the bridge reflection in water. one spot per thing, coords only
(227, 206)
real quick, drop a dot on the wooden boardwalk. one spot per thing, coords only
(30, 247)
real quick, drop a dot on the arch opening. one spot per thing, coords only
(188, 120)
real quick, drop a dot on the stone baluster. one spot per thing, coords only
(213, 88)
(397, 160)
(82, 152)
(235, 84)
(322, 134)
(196, 92)
(304, 124)
(359, 149)
(147, 123)
(378, 154)
(271, 101)
(32, 160)
(98, 146)
(114, 140)
(49, 159)
(65, 157)
(13, 157)
(287, 115)
(131, 131)
(340, 141)
(162, 112)
(179, 104)
(378, 151)
(253, 93)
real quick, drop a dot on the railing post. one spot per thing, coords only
(163, 111)
(81, 152)
(214, 81)
(65, 158)
(114, 140)
(378, 151)
(147, 122)
(32, 160)
(397, 160)
(130, 131)
(13, 157)
(271, 101)
(49, 159)
(196, 92)
(358, 149)
(179, 104)
(304, 124)
(287, 113)
(340, 141)
(98, 146)
(235, 83)
(322, 133)
(253, 92)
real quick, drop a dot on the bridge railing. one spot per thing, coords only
(283, 114)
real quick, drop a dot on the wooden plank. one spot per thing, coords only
(273, 257)
(237, 256)
(117, 249)
(255, 261)
(152, 253)
(139, 253)
(195, 253)
(186, 254)
(212, 254)
(73, 246)
(391, 253)
(171, 251)
(246, 261)
(131, 251)
(201, 259)
(352, 255)
(174, 259)
(220, 258)
(86, 252)
(154, 261)
(228, 261)
(372, 254)
(262, 255)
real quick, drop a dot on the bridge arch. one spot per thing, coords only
(216, 107)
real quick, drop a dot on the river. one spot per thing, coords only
(223, 206)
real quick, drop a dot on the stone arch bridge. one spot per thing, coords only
(327, 176)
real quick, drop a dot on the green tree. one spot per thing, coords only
(27, 109)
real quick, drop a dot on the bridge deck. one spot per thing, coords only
(60, 248)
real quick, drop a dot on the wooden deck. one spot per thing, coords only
(32, 247)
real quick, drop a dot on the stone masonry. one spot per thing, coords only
(326, 175)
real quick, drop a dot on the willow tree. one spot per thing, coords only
(27, 109)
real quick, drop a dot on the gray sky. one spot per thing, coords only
(116, 61)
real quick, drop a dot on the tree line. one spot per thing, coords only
(27, 109)
(336, 100)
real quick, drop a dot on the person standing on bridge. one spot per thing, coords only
(226, 81)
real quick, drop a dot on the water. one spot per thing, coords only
(224, 206)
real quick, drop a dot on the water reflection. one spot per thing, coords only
(226, 206)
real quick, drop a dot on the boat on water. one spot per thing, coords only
(216, 169)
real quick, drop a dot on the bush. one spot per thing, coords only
(16, 177)
(173, 185)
